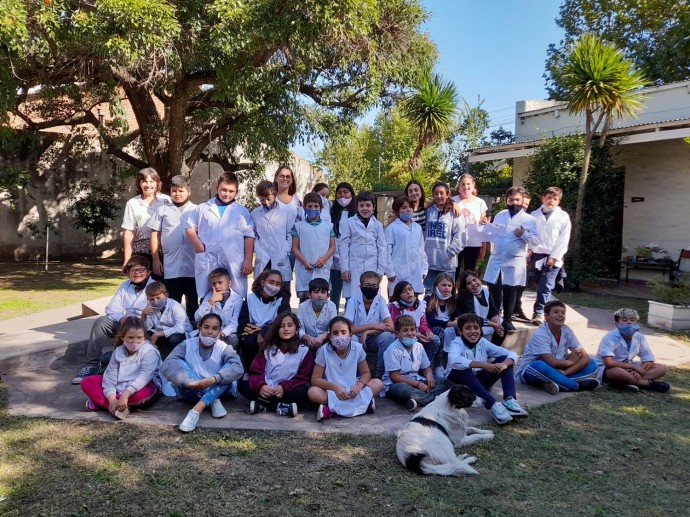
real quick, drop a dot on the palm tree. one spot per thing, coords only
(601, 83)
(431, 110)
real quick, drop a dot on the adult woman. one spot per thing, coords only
(343, 208)
(138, 211)
(473, 210)
(285, 180)
(415, 192)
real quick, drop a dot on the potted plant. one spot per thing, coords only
(671, 310)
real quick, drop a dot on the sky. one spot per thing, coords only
(491, 49)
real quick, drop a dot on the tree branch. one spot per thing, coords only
(206, 138)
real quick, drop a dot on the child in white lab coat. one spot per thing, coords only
(405, 240)
(363, 245)
(165, 319)
(344, 207)
(225, 302)
(315, 314)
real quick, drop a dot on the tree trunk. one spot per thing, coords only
(416, 160)
(95, 251)
(577, 225)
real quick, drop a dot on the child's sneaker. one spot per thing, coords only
(626, 387)
(86, 371)
(500, 413)
(372, 406)
(256, 406)
(550, 387)
(659, 386)
(323, 413)
(410, 404)
(91, 405)
(514, 408)
(233, 389)
(520, 316)
(190, 421)
(217, 409)
(587, 384)
(287, 409)
(121, 414)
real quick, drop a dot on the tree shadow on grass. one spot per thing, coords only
(63, 276)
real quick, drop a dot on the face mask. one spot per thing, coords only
(406, 304)
(370, 292)
(514, 209)
(340, 342)
(466, 192)
(133, 347)
(546, 209)
(318, 304)
(312, 214)
(207, 341)
(344, 201)
(324, 200)
(269, 207)
(271, 290)
(180, 205)
(628, 330)
(440, 295)
(159, 304)
(405, 216)
(408, 341)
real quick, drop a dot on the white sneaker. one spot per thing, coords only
(514, 408)
(217, 409)
(190, 421)
(500, 413)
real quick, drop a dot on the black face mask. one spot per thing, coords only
(138, 286)
(180, 205)
(223, 203)
(370, 292)
(469, 344)
(513, 209)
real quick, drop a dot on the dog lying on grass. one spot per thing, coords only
(426, 445)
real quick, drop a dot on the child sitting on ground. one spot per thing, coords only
(315, 314)
(130, 380)
(554, 359)
(223, 301)
(202, 370)
(478, 364)
(164, 318)
(404, 302)
(442, 310)
(408, 378)
(280, 373)
(618, 350)
(341, 382)
(475, 298)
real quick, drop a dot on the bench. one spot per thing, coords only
(627, 265)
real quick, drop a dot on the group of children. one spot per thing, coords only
(249, 342)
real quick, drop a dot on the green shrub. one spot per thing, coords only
(673, 293)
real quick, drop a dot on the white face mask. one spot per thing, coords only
(207, 341)
(134, 347)
(546, 209)
(271, 290)
(344, 201)
(441, 296)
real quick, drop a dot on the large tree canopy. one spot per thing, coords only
(653, 34)
(257, 74)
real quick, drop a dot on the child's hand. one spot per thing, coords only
(519, 232)
(491, 368)
(154, 337)
(498, 329)
(247, 267)
(551, 262)
(266, 391)
(112, 404)
(157, 266)
(148, 310)
(250, 329)
(278, 391)
(206, 383)
(319, 263)
(430, 380)
(122, 402)
(342, 393)
(216, 297)
(307, 265)
(199, 248)
(355, 389)
(422, 387)
(363, 340)
(648, 366)
(346, 276)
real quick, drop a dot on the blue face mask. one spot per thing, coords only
(406, 304)
(312, 214)
(405, 216)
(269, 207)
(629, 329)
(408, 341)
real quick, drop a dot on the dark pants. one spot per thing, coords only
(467, 259)
(546, 280)
(504, 295)
(336, 287)
(102, 334)
(165, 345)
(249, 347)
(297, 395)
(184, 286)
(480, 382)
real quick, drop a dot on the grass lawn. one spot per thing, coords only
(606, 453)
(26, 288)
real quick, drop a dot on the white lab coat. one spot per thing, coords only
(223, 238)
(509, 258)
(407, 255)
(273, 241)
(554, 234)
(314, 241)
(362, 249)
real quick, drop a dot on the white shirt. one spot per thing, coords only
(554, 234)
(171, 320)
(178, 250)
(406, 252)
(613, 345)
(543, 342)
(127, 301)
(358, 315)
(313, 325)
(461, 356)
(471, 212)
(407, 362)
(509, 257)
(137, 214)
(273, 241)
(229, 311)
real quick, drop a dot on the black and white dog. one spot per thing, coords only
(426, 445)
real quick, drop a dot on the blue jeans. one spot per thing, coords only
(401, 392)
(546, 281)
(336, 287)
(433, 349)
(538, 372)
(206, 396)
(431, 276)
(377, 345)
(480, 382)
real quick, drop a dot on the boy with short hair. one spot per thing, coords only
(618, 350)
(553, 229)
(222, 232)
(164, 319)
(313, 243)
(315, 314)
(554, 359)
(370, 317)
(223, 301)
(129, 300)
(272, 224)
(408, 378)
(168, 237)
